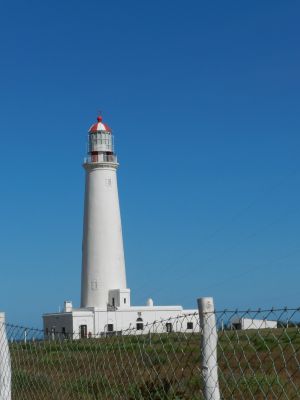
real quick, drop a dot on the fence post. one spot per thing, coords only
(5, 365)
(209, 340)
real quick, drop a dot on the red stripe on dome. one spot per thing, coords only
(93, 128)
(107, 127)
(99, 126)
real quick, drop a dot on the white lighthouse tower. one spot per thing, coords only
(103, 264)
(105, 307)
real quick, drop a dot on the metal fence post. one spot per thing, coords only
(5, 365)
(209, 340)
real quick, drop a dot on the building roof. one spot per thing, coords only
(99, 127)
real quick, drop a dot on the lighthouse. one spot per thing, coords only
(105, 307)
(103, 264)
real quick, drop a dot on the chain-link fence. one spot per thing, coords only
(233, 355)
(259, 354)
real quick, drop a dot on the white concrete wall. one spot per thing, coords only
(258, 324)
(127, 318)
(54, 324)
(71, 321)
(119, 298)
(97, 320)
(103, 264)
(83, 318)
(248, 323)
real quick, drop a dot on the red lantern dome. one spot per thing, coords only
(99, 127)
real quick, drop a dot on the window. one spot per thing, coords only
(113, 301)
(189, 325)
(107, 180)
(139, 324)
(110, 327)
(94, 285)
(124, 301)
(169, 327)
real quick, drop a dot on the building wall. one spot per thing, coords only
(102, 322)
(81, 318)
(248, 323)
(128, 319)
(56, 324)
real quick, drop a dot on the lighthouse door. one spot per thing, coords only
(83, 331)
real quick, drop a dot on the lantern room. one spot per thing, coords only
(100, 143)
(100, 137)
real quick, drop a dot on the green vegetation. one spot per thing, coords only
(252, 364)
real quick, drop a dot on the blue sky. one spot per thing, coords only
(203, 98)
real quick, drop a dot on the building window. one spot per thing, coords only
(63, 331)
(124, 301)
(189, 325)
(113, 301)
(237, 326)
(110, 327)
(169, 327)
(139, 324)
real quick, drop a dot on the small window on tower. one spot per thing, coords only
(124, 301)
(108, 182)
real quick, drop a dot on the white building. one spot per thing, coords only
(248, 323)
(105, 298)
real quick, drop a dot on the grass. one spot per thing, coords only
(252, 365)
